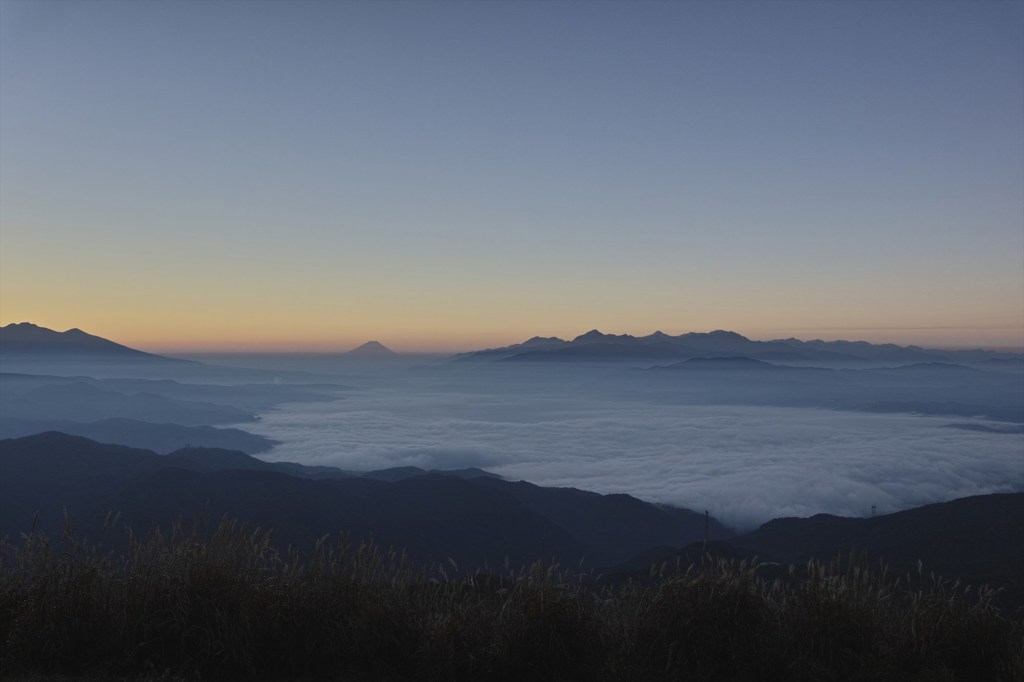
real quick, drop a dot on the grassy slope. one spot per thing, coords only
(226, 605)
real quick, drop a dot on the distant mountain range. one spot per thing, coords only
(25, 338)
(159, 415)
(26, 348)
(660, 347)
(726, 368)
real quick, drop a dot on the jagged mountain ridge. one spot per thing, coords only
(25, 338)
(660, 346)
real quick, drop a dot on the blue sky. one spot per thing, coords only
(309, 175)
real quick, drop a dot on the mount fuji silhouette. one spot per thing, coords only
(372, 350)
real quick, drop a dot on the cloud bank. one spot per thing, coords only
(744, 464)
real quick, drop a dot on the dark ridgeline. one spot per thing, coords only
(726, 368)
(216, 600)
(472, 517)
(160, 438)
(28, 349)
(597, 346)
(476, 520)
(27, 339)
(978, 540)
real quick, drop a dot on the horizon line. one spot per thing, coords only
(423, 349)
(316, 347)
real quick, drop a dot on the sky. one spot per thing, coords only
(456, 175)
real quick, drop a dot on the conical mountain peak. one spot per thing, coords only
(372, 349)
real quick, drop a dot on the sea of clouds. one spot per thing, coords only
(744, 464)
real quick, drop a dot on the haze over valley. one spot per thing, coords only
(680, 420)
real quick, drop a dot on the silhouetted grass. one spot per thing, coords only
(228, 605)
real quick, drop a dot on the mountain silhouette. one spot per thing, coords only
(977, 540)
(161, 438)
(533, 344)
(25, 338)
(595, 346)
(371, 350)
(474, 520)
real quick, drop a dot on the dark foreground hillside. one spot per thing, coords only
(473, 521)
(227, 605)
(114, 566)
(181, 597)
(977, 540)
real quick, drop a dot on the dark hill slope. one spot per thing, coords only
(474, 521)
(609, 521)
(981, 523)
(979, 539)
(49, 473)
(161, 438)
(25, 338)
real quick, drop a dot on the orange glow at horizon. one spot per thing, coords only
(243, 336)
(702, 176)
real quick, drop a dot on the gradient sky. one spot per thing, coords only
(310, 175)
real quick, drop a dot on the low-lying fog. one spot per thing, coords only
(744, 439)
(637, 432)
